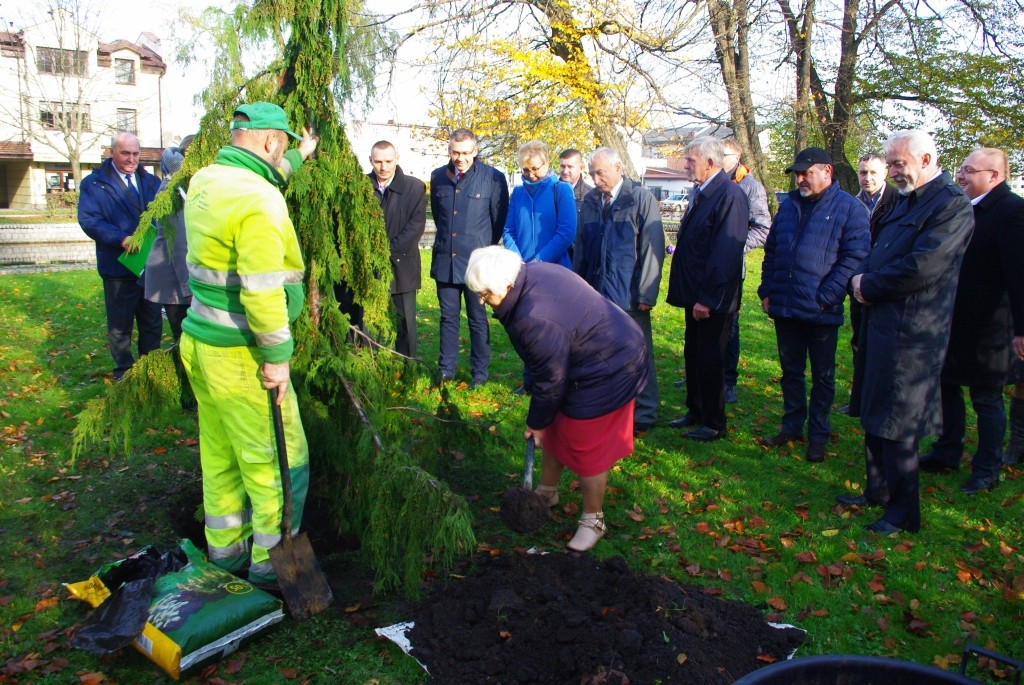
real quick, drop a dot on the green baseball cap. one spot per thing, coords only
(264, 115)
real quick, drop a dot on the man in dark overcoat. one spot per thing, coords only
(987, 315)
(404, 201)
(907, 286)
(112, 199)
(705, 280)
(469, 203)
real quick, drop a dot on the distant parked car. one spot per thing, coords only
(674, 204)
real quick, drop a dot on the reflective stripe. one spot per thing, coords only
(274, 338)
(229, 520)
(239, 549)
(265, 539)
(271, 280)
(219, 316)
(214, 277)
(263, 568)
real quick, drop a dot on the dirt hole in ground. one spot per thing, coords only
(569, 619)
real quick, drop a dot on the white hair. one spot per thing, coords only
(708, 147)
(492, 269)
(919, 143)
(607, 153)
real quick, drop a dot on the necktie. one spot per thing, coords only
(458, 177)
(131, 186)
(607, 204)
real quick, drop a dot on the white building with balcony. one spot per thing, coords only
(63, 94)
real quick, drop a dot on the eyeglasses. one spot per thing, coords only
(969, 170)
(534, 170)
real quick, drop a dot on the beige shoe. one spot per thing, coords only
(591, 529)
(548, 492)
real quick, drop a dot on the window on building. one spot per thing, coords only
(61, 116)
(127, 120)
(59, 61)
(59, 178)
(124, 72)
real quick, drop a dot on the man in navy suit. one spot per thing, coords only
(112, 199)
(705, 279)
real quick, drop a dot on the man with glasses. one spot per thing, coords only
(760, 219)
(907, 285)
(469, 203)
(988, 323)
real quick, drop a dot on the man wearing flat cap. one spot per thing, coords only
(245, 272)
(815, 242)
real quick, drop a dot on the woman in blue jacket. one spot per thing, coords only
(541, 221)
(589, 363)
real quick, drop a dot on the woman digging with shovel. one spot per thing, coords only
(588, 361)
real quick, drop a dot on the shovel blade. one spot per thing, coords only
(302, 584)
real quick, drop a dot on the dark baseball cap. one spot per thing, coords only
(807, 158)
(264, 115)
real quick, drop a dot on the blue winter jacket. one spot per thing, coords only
(108, 213)
(541, 222)
(587, 356)
(805, 273)
(621, 253)
(467, 216)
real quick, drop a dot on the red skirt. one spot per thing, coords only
(588, 447)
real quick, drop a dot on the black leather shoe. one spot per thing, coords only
(730, 394)
(684, 422)
(815, 452)
(640, 430)
(975, 485)
(782, 438)
(521, 390)
(933, 463)
(883, 527)
(843, 408)
(859, 500)
(704, 434)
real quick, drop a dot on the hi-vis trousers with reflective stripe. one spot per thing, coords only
(242, 493)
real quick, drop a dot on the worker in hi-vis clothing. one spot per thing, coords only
(245, 271)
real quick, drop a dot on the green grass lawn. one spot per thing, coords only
(756, 525)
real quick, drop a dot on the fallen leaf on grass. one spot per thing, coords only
(91, 677)
(806, 557)
(235, 665)
(766, 658)
(45, 603)
(778, 603)
(680, 659)
(23, 500)
(291, 673)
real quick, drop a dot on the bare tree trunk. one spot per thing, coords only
(837, 130)
(800, 42)
(729, 24)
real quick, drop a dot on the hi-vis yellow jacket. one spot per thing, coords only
(244, 261)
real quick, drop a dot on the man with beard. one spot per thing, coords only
(907, 286)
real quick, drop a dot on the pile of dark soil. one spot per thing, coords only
(568, 619)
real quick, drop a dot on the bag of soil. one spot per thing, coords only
(177, 608)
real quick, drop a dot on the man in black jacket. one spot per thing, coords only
(987, 317)
(705, 280)
(907, 286)
(404, 201)
(879, 197)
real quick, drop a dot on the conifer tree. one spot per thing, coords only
(360, 454)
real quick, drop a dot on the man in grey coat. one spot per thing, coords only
(907, 286)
